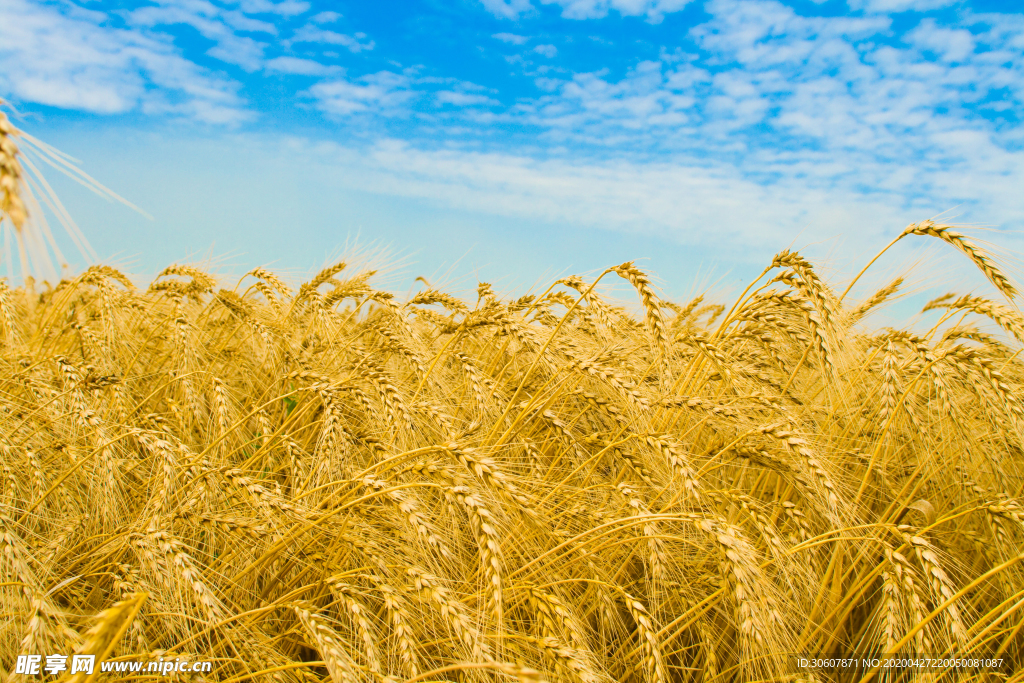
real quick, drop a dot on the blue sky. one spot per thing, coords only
(520, 138)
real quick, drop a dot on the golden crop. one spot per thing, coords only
(332, 482)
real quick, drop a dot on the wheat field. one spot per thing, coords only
(326, 482)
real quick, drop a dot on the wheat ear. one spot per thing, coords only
(653, 316)
(981, 259)
(11, 175)
(110, 627)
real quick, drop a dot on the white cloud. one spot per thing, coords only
(510, 38)
(781, 80)
(214, 23)
(507, 9)
(548, 51)
(67, 56)
(951, 45)
(463, 99)
(645, 100)
(893, 6)
(701, 202)
(326, 17)
(314, 34)
(285, 8)
(244, 52)
(822, 103)
(295, 65)
(653, 10)
(68, 60)
(382, 93)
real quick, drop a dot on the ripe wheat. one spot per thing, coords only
(324, 481)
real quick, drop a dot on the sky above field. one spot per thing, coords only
(520, 138)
